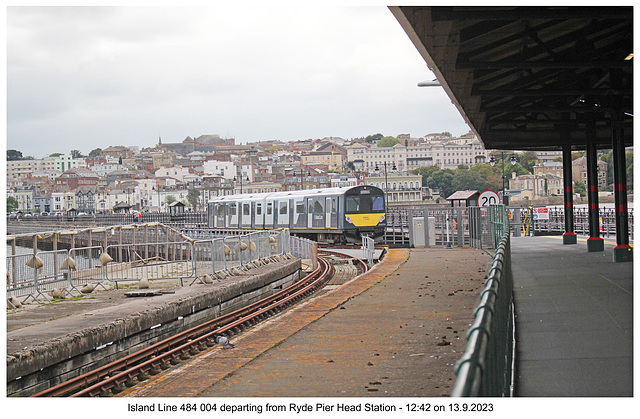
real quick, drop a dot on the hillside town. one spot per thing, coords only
(126, 179)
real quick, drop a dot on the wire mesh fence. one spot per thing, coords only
(34, 275)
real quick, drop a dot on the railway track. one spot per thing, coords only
(136, 367)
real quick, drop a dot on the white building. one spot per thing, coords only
(445, 154)
(65, 162)
(175, 172)
(19, 168)
(102, 169)
(63, 201)
(343, 181)
(400, 187)
(224, 169)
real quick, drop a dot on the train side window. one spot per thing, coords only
(246, 209)
(283, 207)
(300, 207)
(269, 208)
(318, 207)
(259, 208)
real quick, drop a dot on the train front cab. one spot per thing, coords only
(364, 213)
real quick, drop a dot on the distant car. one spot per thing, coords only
(44, 214)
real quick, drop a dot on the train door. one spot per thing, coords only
(317, 215)
(283, 213)
(299, 219)
(258, 217)
(269, 215)
(246, 214)
(232, 215)
(331, 209)
(219, 214)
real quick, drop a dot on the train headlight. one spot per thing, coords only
(382, 218)
(349, 220)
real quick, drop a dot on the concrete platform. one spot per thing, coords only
(394, 331)
(574, 319)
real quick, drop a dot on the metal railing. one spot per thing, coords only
(33, 275)
(305, 249)
(485, 369)
(152, 261)
(368, 248)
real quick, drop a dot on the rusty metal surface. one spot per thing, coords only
(394, 331)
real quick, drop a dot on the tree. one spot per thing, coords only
(528, 159)
(193, 196)
(14, 155)
(443, 181)
(170, 199)
(388, 142)
(465, 180)
(55, 154)
(120, 160)
(12, 204)
(95, 152)
(425, 172)
(579, 188)
(447, 134)
(351, 166)
(373, 138)
(76, 154)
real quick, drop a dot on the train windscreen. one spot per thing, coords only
(364, 203)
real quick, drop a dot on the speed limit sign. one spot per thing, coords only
(487, 198)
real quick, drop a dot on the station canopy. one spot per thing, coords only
(531, 78)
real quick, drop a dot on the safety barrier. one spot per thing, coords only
(368, 248)
(305, 249)
(485, 369)
(173, 260)
(499, 221)
(33, 275)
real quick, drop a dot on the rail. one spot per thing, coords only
(485, 368)
(112, 378)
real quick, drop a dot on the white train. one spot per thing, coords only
(332, 214)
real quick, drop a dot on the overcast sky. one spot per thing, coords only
(88, 77)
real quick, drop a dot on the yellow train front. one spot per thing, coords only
(336, 215)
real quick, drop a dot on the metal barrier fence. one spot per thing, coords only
(481, 230)
(174, 260)
(33, 275)
(305, 249)
(485, 369)
(454, 226)
(368, 247)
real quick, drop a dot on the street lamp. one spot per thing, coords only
(302, 178)
(235, 179)
(386, 182)
(492, 162)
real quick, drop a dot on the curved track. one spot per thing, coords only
(116, 376)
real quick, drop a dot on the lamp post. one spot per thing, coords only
(235, 179)
(492, 162)
(386, 182)
(302, 178)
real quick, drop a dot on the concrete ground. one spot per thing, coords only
(574, 319)
(395, 331)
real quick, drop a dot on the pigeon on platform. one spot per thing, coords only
(222, 340)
